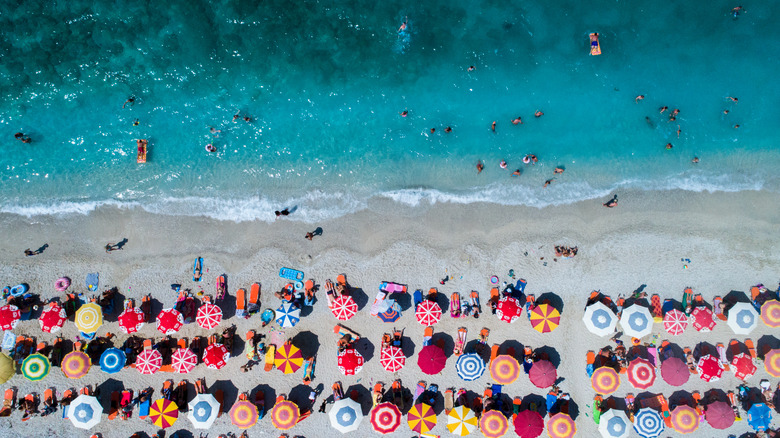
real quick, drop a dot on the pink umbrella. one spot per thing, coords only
(216, 356)
(392, 359)
(169, 321)
(9, 317)
(428, 313)
(543, 374)
(675, 372)
(209, 316)
(148, 362)
(702, 318)
(675, 322)
(431, 359)
(743, 366)
(183, 360)
(710, 368)
(350, 362)
(131, 320)
(641, 373)
(53, 318)
(508, 309)
(720, 415)
(344, 308)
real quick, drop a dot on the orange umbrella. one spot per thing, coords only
(561, 425)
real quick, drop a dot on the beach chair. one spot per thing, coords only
(687, 301)
(241, 303)
(494, 352)
(113, 409)
(427, 335)
(9, 402)
(376, 306)
(520, 285)
(455, 305)
(398, 395)
(125, 404)
(460, 342)
(734, 405)
(221, 288)
(145, 404)
(146, 307)
(590, 360)
(253, 305)
(529, 304)
(690, 360)
(377, 393)
(449, 400)
(717, 310)
(495, 295)
(598, 399)
(270, 354)
(751, 348)
(397, 337)
(698, 301)
(476, 308)
(341, 280)
(655, 307)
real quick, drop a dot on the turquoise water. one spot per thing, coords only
(324, 84)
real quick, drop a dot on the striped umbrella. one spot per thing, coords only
(543, 374)
(89, 317)
(743, 318)
(215, 356)
(545, 318)
(720, 415)
(183, 360)
(288, 358)
(392, 359)
(345, 415)
(204, 409)
(131, 320)
(53, 318)
(614, 424)
(508, 309)
(169, 321)
(75, 364)
(770, 313)
(112, 360)
(648, 423)
(675, 322)
(772, 362)
(600, 319)
(344, 308)
(243, 414)
(561, 425)
(350, 361)
(163, 413)
(605, 380)
(637, 321)
(386, 418)
(285, 415)
(641, 373)
(528, 424)
(421, 418)
(35, 367)
(9, 317)
(709, 368)
(685, 419)
(209, 316)
(470, 366)
(504, 369)
(392, 313)
(84, 412)
(428, 313)
(743, 366)
(493, 424)
(148, 362)
(461, 421)
(703, 319)
(288, 314)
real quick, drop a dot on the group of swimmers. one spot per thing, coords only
(23, 138)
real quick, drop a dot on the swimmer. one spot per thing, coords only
(135, 122)
(502, 164)
(678, 131)
(672, 118)
(433, 130)
(733, 99)
(538, 114)
(735, 11)
(558, 170)
(669, 146)
(675, 112)
(130, 100)
(18, 135)
(236, 115)
(736, 126)
(404, 113)
(638, 98)
(493, 126)
(211, 148)
(480, 166)
(471, 68)
(695, 160)
(527, 159)
(516, 172)
(247, 119)
(448, 129)
(517, 121)
(725, 112)
(548, 182)
(663, 108)
(403, 25)
(534, 160)
(214, 130)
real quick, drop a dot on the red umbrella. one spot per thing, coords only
(209, 316)
(53, 318)
(641, 373)
(528, 424)
(183, 360)
(508, 309)
(9, 317)
(131, 320)
(710, 368)
(743, 366)
(392, 359)
(431, 359)
(344, 308)
(428, 313)
(720, 415)
(543, 374)
(675, 322)
(216, 356)
(675, 372)
(169, 321)
(350, 361)
(702, 318)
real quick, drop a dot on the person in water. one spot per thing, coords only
(130, 100)
(558, 170)
(493, 126)
(135, 122)
(638, 98)
(211, 148)
(669, 146)
(538, 114)
(502, 164)
(480, 166)
(695, 160)
(471, 68)
(23, 138)
(403, 25)
(517, 121)
(516, 172)
(285, 212)
(611, 203)
(448, 129)
(678, 131)
(663, 108)
(404, 113)
(548, 182)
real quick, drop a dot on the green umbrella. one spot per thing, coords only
(35, 367)
(7, 368)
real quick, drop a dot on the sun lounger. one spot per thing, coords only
(455, 305)
(241, 303)
(417, 297)
(460, 342)
(419, 389)
(655, 306)
(427, 335)
(253, 305)
(687, 301)
(751, 348)
(716, 309)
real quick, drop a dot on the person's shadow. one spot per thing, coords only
(121, 243)
(41, 249)
(318, 231)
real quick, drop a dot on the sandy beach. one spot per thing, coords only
(731, 240)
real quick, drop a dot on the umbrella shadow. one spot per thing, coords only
(569, 407)
(679, 398)
(307, 342)
(104, 389)
(365, 348)
(766, 343)
(703, 349)
(403, 300)
(676, 351)
(269, 395)
(229, 392)
(733, 350)
(300, 395)
(471, 346)
(551, 299)
(181, 433)
(119, 299)
(444, 303)
(534, 402)
(360, 297)
(448, 343)
(548, 353)
(647, 399)
(618, 403)
(228, 306)
(155, 306)
(362, 395)
(715, 394)
(408, 346)
(732, 298)
(514, 345)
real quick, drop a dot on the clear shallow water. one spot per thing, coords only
(325, 83)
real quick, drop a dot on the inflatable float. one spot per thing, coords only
(142, 144)
(19, 289)
(62, 284)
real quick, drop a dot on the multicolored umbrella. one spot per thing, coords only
(53, 318)
(243, 414)
(461, 421)
(9, 317)
(743, 318)
(89, 317)
(685, 419)
(112, 360)
(148, 362)
(431, 359)
(504, 369)
(493, 424)
(543, 374)
(470, 366)
(285, 415)
(720, 415)
(75, 364)
(35, 367)
(350, 361)
(637, 321)
(648, 423)
(131, 320)
(605, 380)
(614, 424)
(288, 314)
(169, 321)
(163, 413)
(344, 308)
(508, 309)
(428, 313)
(204, 409)
(709, 368)
(641, 373)
(561, 425)
(770, 313)
(675, 322)
(288, 358)
(600, 319)
(216, 356)
(345, 415)
(528, 424)
(209, 316)
(392, 359)
(392, 313)
(703, 319)
(759, 417)
(386, 418)
(545, 318)
(183, 360)
(772, 362)
(84, 412)
(675, 372)
(743, 366)
(421, 418)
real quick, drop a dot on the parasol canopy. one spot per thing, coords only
(148, 362)
(508, 309)
(89, 317)
(243, 414)
(209, 316)
(743, 318)
(344, 308)
(461, 421)
(288, 314)
(285, 415)
(641, 373)
(600, 319)
(345, 415)
(421, 418)
(543, 374)
(675, 372)
(605, 380)
(504, 369)
(675, 322)
(770, 313)
(720, 415)
(288, 358)
(614, 424)
(528, 424)
(204, 409)
(772, 362)
(75, 364)
(84, 412)
(636, 321)
(709, 368)
(470, 366)
(350, 362)
(112, 360)
(648, 423)
(545, 318)
(561, 425)
(53, 318)
(131, 320)
(183, 360)
(35, 367)
(493, 424)
(385, 418)
(163, 413)
(169, 321)
(9, 317)
(428, 313)
(703, 319)
(216, 356)
(392, 359)
(743, 366)
(431, 359)
(685, 419)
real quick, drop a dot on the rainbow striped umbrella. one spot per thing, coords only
(605, 380)
(462, 421)
(285, 415)
(35, 367)
(493, 424)
(89, 317)
(545, 318)
(288, 358)
(770, 313)
(685, 419)
(504, 369)
(163, 413)
(243, 414)
(386, 418)
(53, 318)
(75, 364)
(561, 425)
(421, 418)
(148, 362)
(772, 362)
(641, 373)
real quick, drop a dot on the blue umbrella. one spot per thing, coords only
(204, 409)
(600, 319)
(759, 417)
(112, 360)
(345, 415)
(85, 411)
(637, 321)
(391, 314)
(470, 366)
(648, 423)
(288, 314)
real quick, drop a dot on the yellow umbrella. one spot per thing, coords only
(163, 413)
(421, 418)
(288, 358)
(461, 421)
(7, 368)
(545, 318)
(89, 317)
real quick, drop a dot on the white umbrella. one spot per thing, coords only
(204, 409)
(84, 412)
(614, 424)
(346, 415)
(743, 318)
(600, 319)
(636, 321)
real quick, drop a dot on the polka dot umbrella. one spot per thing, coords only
(675, 322)
(508, 309)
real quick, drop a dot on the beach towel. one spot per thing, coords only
(92, 281)
(9, 341)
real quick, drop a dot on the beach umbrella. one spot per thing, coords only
(112, 360)
(543, 374)
(720, 415)
(504, 369)
(163, 413)
(641, 373)
(131, 320)
(685, 419)
(508, 309)
(493, 424)
(648, 423)
(35, 367)
(209, 316)
(350, 361)
(675, 322)
(183, 360)
(204, 409)
(288, 314)
(421, 418)
(605, 380)
(169, 321)
(470, 366)
(89, 317)
(636, 321)
(770, 313)
(53, 318)
(743, 318)
(772, 362)
(431, 359)
(345, 415)
(243, 414)
(703, 319)
(148, 362)
(710, 368)
(545, 318)
(7, 367)
(392, 313)
(285, 415)
(461, 421)
(216, 356)
(759, 417)
(600, 319)
(288, 358)
(84, 412)
(675, 372)
(344, 308)
(528, 424)
(9, 317)
(386, 418)
(561, 425)
(392, 359)
(75, 364)
(428, 313)
(743, 366)
(614, 424)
